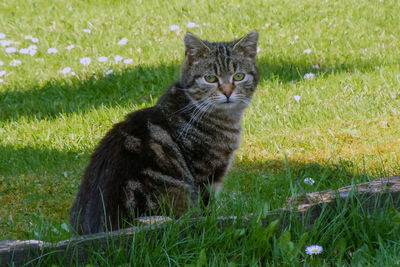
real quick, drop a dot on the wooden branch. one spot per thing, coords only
(306, 207)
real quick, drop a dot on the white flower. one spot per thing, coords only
(117, 58)
(313, 250)
(2, 73)
(307, 51)
(266, 25)
(11, 50)
(315, 66)
(1, 80)
(85, 61)
(5, 43)
(258, 49)
(52, 50)
(174, 27)
(309, 180)
(191, 25)
(86, 30)
(128, 61)
(1, 63)
(139, 50)
(297, 98)
(2, 35)
(70, 47)
(277, 107)
(102, 59)
(296, 37)
(65, 70)
(109, 72)
(15, 62)
(24, 51)
(309, 76)
(33, 39)
(32, 47)
(123, 41)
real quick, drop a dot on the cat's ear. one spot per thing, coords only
(194, 47)
(247, 45)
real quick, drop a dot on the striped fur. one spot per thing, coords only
(170, 153)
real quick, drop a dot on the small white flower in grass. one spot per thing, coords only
(174, 27)
(24, 51)
(1, 63)
(128, 61)
(1, 80)
(139, 50)
(309, 76)
(109, 72)
(11, 50)
(5, 43)
(32, 49)
(315, 66)
(52, 50)
(117, 58)
(2, 35)
(123, 41)
(15, 62)
(313, 250)
(86, 30)
(296, 37)
(258, 49)
(102, 59)
(85, 61)
(2, 73)
(69, 47)
(65, 70)
(309, 180)
(33, 39)
(297, 98)
(307, 51)
(191, 25)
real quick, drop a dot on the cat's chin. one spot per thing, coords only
(231, 106)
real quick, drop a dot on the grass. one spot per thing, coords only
(343, 130)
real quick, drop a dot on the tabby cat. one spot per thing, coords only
(176, 149)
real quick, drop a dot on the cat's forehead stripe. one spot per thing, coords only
(223, 62)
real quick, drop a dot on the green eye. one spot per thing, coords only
(238, 76)
(210, 78)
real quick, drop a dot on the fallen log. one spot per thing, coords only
(306, 207)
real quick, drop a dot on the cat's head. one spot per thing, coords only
(222, 74)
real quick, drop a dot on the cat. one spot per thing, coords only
(174, 150)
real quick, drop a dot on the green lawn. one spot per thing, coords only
(340, 127)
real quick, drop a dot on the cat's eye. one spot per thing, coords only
(238, 76)
(210, 78)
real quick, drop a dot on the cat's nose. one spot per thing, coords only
(227, 90)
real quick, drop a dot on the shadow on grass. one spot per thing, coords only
(15, 161)
(135, 85)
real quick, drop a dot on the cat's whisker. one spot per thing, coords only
(197, 114)
(190, 106)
